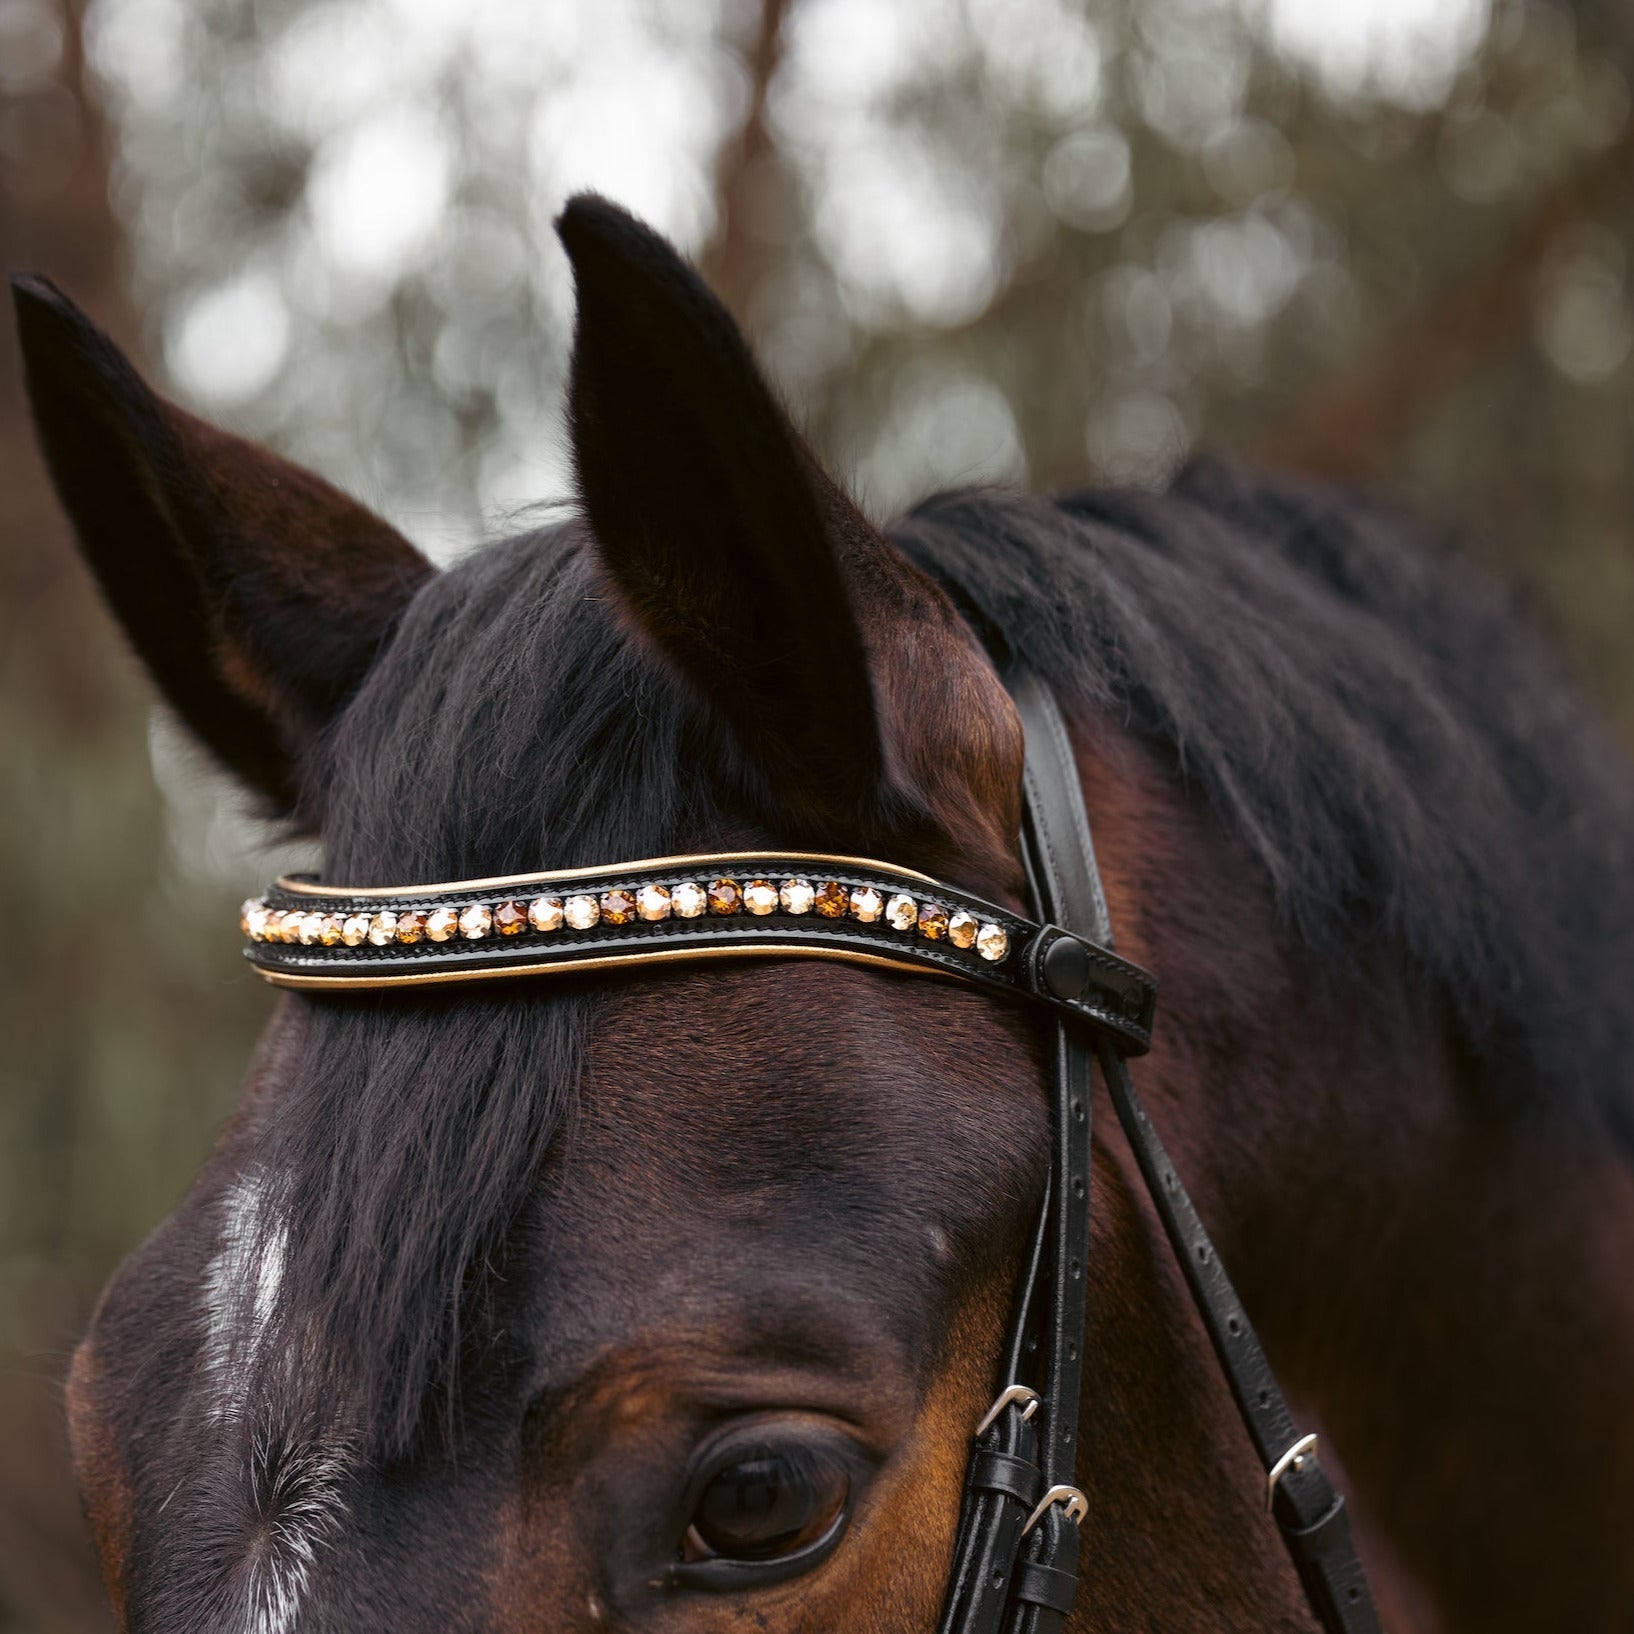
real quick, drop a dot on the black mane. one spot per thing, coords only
(1396, 751)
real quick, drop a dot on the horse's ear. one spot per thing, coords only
(728, 544)
(255, 593)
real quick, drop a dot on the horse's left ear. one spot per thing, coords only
(256, 594)
(725, 538)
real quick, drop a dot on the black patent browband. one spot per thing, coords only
(662, 910)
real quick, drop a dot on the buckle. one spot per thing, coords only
(1077, 1506)
(1011, 1394)
(1293, 1458)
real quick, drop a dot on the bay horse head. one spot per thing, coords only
(669, 1299)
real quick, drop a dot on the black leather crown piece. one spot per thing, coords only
(305, 934)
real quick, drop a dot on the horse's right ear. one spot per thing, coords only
(256, 594)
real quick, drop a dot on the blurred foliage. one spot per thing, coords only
(976, 240)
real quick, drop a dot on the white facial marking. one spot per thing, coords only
(296, 1485)
(299, 1490)
(240, 1291)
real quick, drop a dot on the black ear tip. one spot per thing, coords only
(35, 296)
(595, 231)
(47, 320)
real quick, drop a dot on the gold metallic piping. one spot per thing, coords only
(861, 865)
(751, 950)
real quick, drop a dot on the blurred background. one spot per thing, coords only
(1015, 241)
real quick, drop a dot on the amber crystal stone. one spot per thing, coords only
(331, 929)
(618, 906)
(442, 924)
(689, 900)
(796, 895)
(653, 903)
(476, 921)
(760, 897)
(933, 921)
(902, 912)
(311, 928)
(511, 918)
(961, 928)
(832, 899)
(724, 896)
(411, 925)
(867, 904)
(992, 942)
(383, 928)
(354, 931)
(581, 912)
(545, 913)
(289, 925)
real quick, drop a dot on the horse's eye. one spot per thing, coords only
(766, 1504)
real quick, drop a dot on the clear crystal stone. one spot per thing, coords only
(760, 896)
(653, 903)
(796, 895)
(545, 913)
(311, 928)
(902, 913)
(383, 928)
(581, 912)
(442, 923)
(476, 922)
(867, 904)
(355, 931)
(992, 942)
(962, 928)
(689, 900)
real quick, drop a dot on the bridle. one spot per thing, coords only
(1015, 1563)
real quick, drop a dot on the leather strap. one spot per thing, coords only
(1025, 1583)
(990, 1522)
(1309, 1512)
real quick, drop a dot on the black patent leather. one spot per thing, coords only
(1114, 994)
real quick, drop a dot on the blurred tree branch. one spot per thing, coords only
(1351, 427)
(732, 261)
(61, 692)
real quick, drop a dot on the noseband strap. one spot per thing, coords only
(1015, 1567)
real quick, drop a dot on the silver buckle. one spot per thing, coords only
(1011, 1393)
(1293, 1458)
(1077, 1506)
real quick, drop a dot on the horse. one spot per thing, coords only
(669, 1298)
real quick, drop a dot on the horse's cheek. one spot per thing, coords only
(103, 1481)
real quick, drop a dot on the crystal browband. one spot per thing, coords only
(309, 935)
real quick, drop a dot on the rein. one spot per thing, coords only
(1015, 1562)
